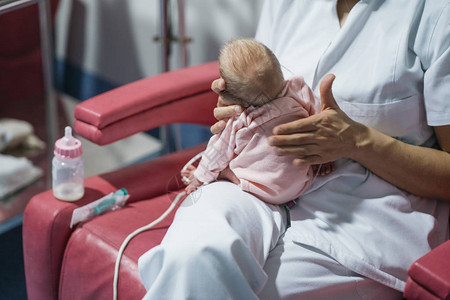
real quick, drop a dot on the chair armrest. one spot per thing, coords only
(181, 96)
(430, 275)
(46, 220)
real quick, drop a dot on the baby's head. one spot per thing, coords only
(251, 72)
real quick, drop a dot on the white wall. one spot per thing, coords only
(113, 39)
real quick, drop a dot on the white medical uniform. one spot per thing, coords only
(352, 234)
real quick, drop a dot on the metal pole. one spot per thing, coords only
(182, 33)
(47, 64)
(164, 131)
(165, 35)
(166, 39)
(182, 40)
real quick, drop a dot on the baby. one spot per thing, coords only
(254, 80)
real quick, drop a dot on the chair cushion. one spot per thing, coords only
(414, 291)
(89, 275)
(431, 272)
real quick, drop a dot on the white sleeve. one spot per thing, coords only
(437, 70)
(264, 29)
(218, 153)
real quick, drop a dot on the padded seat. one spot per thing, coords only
(105, 234)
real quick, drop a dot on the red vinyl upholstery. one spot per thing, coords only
(79, 263)
(61, 263)
(429, 276)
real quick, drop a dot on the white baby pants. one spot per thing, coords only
(231, 245)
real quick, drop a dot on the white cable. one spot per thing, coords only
(186, 180)
(147, 227)
(136, 232)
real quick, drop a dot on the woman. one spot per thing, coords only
(355, 233)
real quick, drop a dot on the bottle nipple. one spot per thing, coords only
(68, 146)
(68, 139)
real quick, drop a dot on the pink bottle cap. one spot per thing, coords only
(68, 146)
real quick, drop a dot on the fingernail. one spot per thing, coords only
(238, 109)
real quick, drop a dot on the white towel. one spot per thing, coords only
(16, 173)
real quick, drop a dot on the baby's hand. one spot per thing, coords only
(187, 175)
(229, 175)
(195, 183)
(324, 169)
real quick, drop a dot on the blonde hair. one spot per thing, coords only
(251, 72)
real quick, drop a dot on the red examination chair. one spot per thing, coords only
(61, 263)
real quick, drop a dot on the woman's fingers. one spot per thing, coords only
(218, 85)
(298, 151)
(292, 139)
(302, 125)
(225, 112)
(326, 94)
(217, 127)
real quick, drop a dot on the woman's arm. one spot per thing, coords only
(443, 136)
(331, 135)
(419, 170)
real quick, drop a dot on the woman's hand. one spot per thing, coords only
(222, 111)
(321, 138)
(331, 135)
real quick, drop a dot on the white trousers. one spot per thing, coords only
(231, 245)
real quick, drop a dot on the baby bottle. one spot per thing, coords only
(68, 169)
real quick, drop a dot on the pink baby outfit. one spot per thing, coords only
(243, 145)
